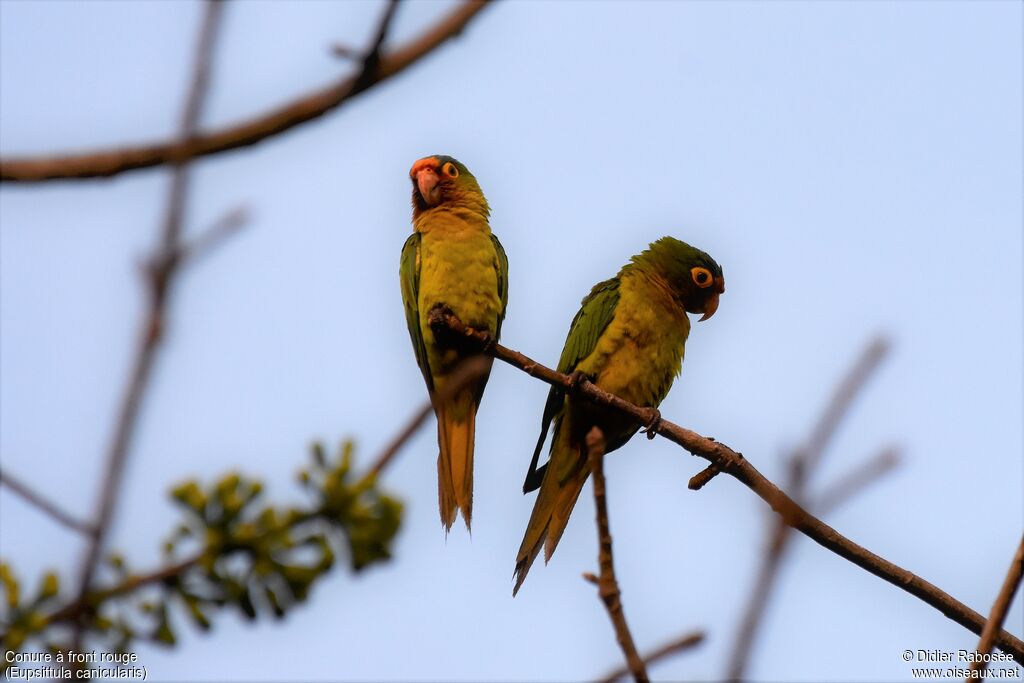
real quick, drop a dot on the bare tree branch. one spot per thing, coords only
(685, 642)
(162, 271)
(109, 162)
(734, 464)
(607, 584)
(33, 497)
(999, 609)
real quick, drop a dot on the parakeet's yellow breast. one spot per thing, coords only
(459, 268)
(641, 351)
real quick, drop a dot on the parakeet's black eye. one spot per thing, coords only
(701, 276)
(450, 170)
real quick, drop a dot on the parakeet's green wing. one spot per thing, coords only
(409, 273)
(596, 312)
(502, 282)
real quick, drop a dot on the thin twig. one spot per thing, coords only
(109, 162)
(806, 458)
(685, 642)
(856, 480)
(162, 271)
(345, 52)
(734, 464)
(229, 224)
(999, 609)
(698, 480)
(29, 495)
(843, 397)
(801, 465)
(371, 60)
(607, 584)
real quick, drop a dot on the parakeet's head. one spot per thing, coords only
(695, 279)
(442, 180)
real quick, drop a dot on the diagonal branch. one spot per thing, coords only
(607, 584)
(733, 463)
(999, 609)
(466, 373)
(839, 405)
(856, 480)
(110, 162)
(162, 271)
(33, 497)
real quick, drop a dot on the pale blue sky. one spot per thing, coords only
(854, 166)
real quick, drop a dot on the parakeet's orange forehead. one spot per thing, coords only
(425, 162)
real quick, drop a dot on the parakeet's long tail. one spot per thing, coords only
(554, 504)
(456, 429)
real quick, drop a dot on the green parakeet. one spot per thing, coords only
(451, 259)
(628, 338)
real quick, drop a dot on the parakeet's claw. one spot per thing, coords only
(576, 377)
(436, 315)
(653, 423)
(489, 341)
(437, 318)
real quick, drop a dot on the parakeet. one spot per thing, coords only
(451, 259)
(628, 338)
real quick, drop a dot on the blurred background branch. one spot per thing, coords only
(375, 69)
(683, 643)
(43, 504)
(163, 268)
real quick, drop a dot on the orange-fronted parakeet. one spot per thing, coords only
(451, 259)
(628, 338)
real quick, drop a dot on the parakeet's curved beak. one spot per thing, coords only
(712, 305)
(424, 174)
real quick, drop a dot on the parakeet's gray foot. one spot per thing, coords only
(653, 423)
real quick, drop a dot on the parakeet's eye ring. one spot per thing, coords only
(450, 170)
(701, 276)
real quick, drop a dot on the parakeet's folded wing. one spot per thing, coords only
(502, 282)
(409, 273)
(596, 312)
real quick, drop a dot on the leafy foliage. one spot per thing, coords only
(230, 550)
